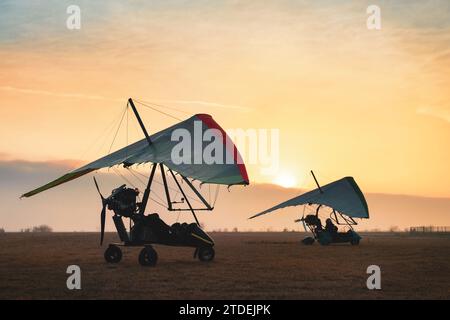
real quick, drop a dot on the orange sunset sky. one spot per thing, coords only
(373, 104)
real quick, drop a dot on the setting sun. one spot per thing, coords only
(286, 180)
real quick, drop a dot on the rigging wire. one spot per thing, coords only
(162, 112)
(217, 195)
(163, 106)
(102, 138)
(126, 138)
(131, 184)
(123, 177)
(171, 188)
(121, 115)
(209, 193)
(136, 129)
(118, 128)
(159, 203)
(143, 182)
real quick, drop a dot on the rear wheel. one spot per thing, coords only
(148, 257)
(206, 254)
(113, 254)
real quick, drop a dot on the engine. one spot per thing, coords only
(123, 201)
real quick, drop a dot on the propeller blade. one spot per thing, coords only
(102, 224)
(98, 189)
(304, 225)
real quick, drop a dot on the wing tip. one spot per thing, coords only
(255, 216)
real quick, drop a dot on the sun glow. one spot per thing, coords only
(286, 180)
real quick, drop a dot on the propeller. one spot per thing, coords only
(304, 224)
(302, 220)
(102, 214)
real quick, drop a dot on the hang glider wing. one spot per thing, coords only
(226, 168)
(342, 195)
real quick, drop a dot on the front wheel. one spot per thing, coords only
(309, 241)
(148, 257)
(206, 254)
(113, 254)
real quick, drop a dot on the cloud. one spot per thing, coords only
(204, 103)
(5, 156)
(99, 97)
(57, 94)
(13, 170)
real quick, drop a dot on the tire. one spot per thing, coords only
(308, 241)
(148, 257)
(113, 254)
(206, 254)
(354, 242)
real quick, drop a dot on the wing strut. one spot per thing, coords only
(199, 195)
(147, 190)
(185, 197)
(166, 188)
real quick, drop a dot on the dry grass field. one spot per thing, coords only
(247, 266)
